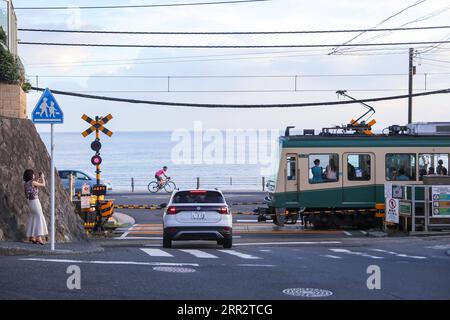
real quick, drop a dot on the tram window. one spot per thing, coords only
(323, 168)
(291, 168)
(433, 163)
(358, 167)
(400, 167)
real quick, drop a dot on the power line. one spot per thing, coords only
(378, 24)
(141, 6)
(241, 106)
(238, 76)
(228, 32)
(229, 46)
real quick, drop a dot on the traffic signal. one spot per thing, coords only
(96, 145)
(96, 160)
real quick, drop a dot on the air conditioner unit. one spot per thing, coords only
(429, 128)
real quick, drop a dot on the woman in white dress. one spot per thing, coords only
(37, 227)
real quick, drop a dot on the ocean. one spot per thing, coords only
(220, 159)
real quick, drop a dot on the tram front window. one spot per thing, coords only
(400, 167)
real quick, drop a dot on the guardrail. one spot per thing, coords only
(226, 183)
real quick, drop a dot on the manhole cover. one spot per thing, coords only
(307, 292)
(174, 269)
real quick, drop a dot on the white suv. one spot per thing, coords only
(197, 215)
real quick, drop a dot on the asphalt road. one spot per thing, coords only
(267, 264)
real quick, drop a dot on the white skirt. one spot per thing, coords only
(37, 226)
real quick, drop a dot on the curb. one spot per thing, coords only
(448, 252)
(16, 250)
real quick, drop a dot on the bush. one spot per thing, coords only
(11, 70)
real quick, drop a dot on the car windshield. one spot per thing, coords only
(198, 196)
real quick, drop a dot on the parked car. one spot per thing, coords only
(80, 179)
(197, 215)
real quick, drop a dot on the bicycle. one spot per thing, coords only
(168, 186)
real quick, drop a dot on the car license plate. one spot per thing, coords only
(198, 215)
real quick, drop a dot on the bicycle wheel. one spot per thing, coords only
(170, 186)
(153, 186)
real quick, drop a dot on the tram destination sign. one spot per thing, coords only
(441, 201)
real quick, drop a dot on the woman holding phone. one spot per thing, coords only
(37, 226)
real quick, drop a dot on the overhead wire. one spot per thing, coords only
(240, 106)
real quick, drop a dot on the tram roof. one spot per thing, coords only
(349, 140)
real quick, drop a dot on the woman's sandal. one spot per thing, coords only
(33, 241)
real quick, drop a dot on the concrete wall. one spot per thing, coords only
(13, 101)
(22, 148)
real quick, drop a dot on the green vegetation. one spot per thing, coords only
(11, 70)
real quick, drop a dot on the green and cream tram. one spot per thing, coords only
(337, 179)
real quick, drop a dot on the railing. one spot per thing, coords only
(225, 183)
(422, 204)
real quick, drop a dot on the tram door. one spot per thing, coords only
(292, 179)
(359, 179)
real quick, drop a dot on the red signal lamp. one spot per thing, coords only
(96, 160)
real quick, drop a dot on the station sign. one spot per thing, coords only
(440, 201)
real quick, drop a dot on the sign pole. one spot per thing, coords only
(48, 111)
(52, 191)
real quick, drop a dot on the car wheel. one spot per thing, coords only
(227, 243)
(167, 242)
(220, 242)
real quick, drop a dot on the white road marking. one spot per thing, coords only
(402, 255)
(256, 265)
(286, 242)
(265, 250)
(247, 221)
(139, 238)
(440, 247)
(239, 254)
(363, 232)
(356, 253)
(113, 262)
(156, 253)
(199, 253)
(330, 256)
(347, 233)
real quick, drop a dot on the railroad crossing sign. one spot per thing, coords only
(97, 124)
(102, 208)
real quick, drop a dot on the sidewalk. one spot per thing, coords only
(23, 248)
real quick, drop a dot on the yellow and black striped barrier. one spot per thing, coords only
(142, 207)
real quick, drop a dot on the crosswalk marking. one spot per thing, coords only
(331, 256)
(199, 253)
(356, 253)
(239, 254)
(156, 252)
(401, 255)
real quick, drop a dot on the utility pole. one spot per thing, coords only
(412, 71)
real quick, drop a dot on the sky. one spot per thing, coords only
(102, 70)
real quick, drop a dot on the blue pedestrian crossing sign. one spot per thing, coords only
(47, 109)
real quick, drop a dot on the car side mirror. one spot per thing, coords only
(163, 205)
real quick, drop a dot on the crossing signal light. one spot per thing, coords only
(96, 146)
(96, 160)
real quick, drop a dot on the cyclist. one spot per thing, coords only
(161, 175)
